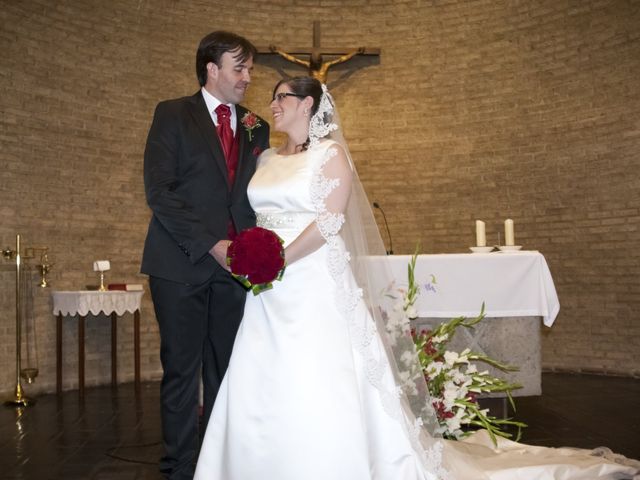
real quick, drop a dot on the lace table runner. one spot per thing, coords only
(94, 302)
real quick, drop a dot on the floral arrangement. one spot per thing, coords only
(250, 121)
(454, 381)
(256, 258)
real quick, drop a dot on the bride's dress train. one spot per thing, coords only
(299, 401)
(516, 461)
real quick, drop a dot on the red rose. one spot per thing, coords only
(256, 258)
(250, 121)
(257, 151)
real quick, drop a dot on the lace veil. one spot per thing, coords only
(395, 354)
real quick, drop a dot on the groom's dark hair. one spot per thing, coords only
(217, 43)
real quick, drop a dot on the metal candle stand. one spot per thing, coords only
(31, 372)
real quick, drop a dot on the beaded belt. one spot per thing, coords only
(284, 220)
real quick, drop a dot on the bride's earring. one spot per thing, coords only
(306, 111)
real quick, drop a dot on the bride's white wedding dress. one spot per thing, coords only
(298, 401)
(294, 404)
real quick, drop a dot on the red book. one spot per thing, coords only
(128, 287)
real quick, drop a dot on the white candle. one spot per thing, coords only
(508, 232)
(481, 238)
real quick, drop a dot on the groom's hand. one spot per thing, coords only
(219, 252)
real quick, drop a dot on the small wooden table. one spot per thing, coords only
(87, 302)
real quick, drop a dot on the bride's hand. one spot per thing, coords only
(219, 253)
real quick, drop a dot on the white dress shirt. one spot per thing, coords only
(212, 103)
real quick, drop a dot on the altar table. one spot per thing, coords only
(517, 290)
(90, 302)
(515, 284)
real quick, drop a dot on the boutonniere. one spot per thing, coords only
(250, 121)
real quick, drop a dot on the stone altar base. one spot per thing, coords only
(511, 340)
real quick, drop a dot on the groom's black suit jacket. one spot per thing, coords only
(187, 188)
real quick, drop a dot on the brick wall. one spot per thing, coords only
(476, 109)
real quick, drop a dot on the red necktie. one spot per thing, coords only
(225, 134)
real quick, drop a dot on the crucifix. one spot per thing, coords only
(317, 68)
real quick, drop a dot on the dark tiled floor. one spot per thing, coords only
(584, 411)
(114, 435)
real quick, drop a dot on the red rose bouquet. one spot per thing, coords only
(256, 258)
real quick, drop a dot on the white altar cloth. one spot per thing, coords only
(514, 284)
(83, 302)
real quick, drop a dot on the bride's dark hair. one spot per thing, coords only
(305, 87)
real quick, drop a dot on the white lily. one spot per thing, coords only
(439, 338)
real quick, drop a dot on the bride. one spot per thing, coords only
(314, 390)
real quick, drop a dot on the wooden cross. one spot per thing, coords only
(318, 68)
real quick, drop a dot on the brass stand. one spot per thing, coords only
(19, 399)
(102, 287)
(44, 268)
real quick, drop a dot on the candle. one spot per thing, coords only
(508, 232)
(481, 238)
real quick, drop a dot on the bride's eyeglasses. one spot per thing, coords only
(279, 97)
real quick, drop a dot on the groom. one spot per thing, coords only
(200, 155)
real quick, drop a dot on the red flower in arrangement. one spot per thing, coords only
(256, 258)
(428, 348)
(250, 121)
(441, 410)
